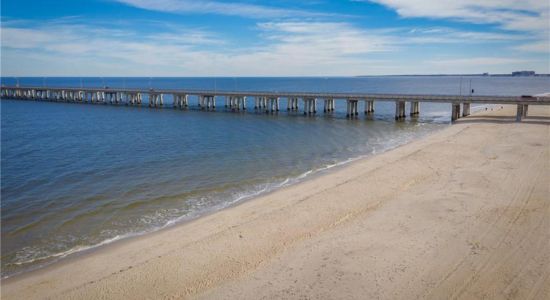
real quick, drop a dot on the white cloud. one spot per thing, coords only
(287, 48)
(281, 49)
(217, 7)
(542, 47)
(530, 17)
(510, 14)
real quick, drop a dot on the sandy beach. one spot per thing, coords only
(463, 213)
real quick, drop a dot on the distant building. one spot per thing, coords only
(485, 74)
(523, 73)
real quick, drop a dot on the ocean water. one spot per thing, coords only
(74, 177)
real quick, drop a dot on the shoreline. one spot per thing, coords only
(74, 254)
(204, 230)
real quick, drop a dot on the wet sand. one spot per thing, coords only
(463, 213)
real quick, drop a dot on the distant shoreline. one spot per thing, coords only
(456, 75)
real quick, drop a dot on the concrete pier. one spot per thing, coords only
(156, 100)
(521, 111)
(352, 108)
(265, 101)
(292, 104)
(272, 104)
(455, 111)
(328, 105)
(207, 102)
(465, 109)
(180, 101)
(310, 105)
(369, 106)
(260, 103)
(399, 110)
(414, 110)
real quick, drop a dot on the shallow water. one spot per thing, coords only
(77, 176)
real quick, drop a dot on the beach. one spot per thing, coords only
(462, 213)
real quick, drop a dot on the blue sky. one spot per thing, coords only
(272, 38)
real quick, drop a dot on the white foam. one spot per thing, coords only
(378, 146)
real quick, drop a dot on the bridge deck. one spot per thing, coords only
(529, 100)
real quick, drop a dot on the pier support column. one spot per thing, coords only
(519, 114)
(399, 110)
(525, 109)
(455, 113)
(210, 102)
(465, 109)
(176, 100)
(314, 100)
(152, 100)
(348, 108)
(414, 108)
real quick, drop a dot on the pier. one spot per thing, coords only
(268, 102)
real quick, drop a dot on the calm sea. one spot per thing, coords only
(74, 177)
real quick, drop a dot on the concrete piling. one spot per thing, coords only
(465, 109)
(414, 108)
(455, 112)
(400, 110)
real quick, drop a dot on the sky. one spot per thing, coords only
(273, 38)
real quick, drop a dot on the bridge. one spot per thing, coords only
(265, 100)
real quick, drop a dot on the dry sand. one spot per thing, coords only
(464, 213)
